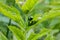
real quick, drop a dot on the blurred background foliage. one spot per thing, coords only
(38, 11)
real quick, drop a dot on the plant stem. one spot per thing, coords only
(9, 3)
(7, 28)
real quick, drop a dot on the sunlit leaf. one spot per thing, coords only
(29, 4)
(17, 32)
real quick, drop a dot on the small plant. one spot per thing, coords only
(31, 15)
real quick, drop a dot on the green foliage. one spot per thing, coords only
(2, 37)
(35, 20)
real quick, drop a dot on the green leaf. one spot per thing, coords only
(12, 13)
(54, 22)
(42, 33)
(8, 14)
(29, 4)
(11, 10)
(20, 35)
(39, 8)
(52, 14)
(2, 37)
(29, 34)
(50, 35)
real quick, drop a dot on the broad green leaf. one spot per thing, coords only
(52, 14)
(8, 14)
(2, 37)
(29, 34)
(29, 4)
(11, 9)
(24, 16)
(39, 8)
(20, 35)
(50, 35)
(42, 33)
(12, 13)
(54, 22)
